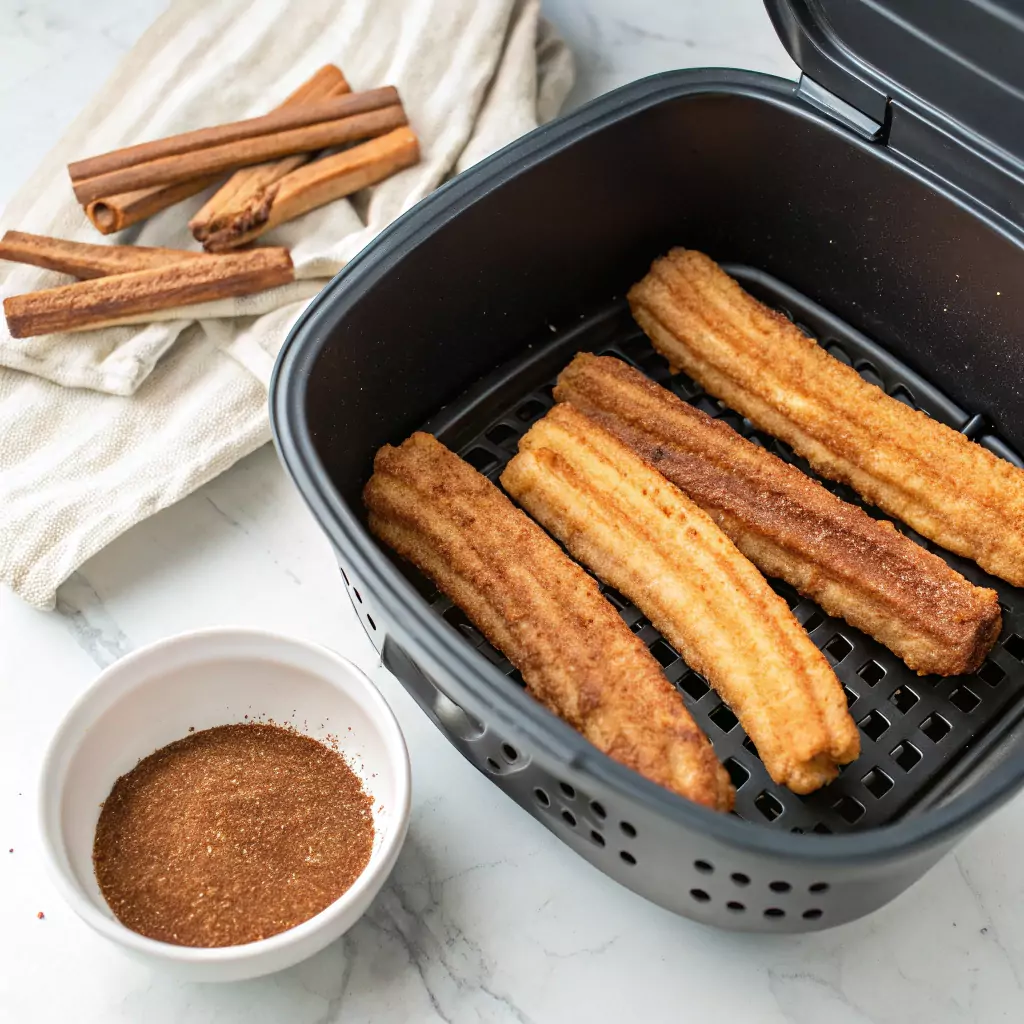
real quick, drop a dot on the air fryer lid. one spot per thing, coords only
(943, 80)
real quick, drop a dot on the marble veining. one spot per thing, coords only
(487, 917)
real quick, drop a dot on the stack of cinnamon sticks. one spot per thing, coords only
(322, 143)
(268, 154)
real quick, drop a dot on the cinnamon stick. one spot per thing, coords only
(317, 183)
(80, 259)
(292, 129)
(244, 187)
(116, 212)
(110, 300)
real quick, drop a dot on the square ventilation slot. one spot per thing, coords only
(723, 718)
(481, 459)
(935, 727)
(664, 652)
(906, 755)
(616, 598)
(530, 410)
(851, 696)
(850, 810)
(904, 699)
(991, 673)
(903, 394)
(737, 772)
(871, 673)
(1014, 646)
(770, 806)
(502, 435)
(813, 621)
(693, 685)
(456, 617)
(964, 699)
(838, 648)
(874, 725)
(877, 783)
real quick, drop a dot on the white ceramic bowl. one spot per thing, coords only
(202, 679)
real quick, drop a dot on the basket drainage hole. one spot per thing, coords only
(877, 783)
(344, 577)
(542, 798)
(501, 433)
(814, 620)
(737, 772)
(627, 856)
(1014, 646)
(481, 459)
(964, 699)
(703, 867)
(779, 886)
(627, 829)
(871, 673)
(904, 699)
(616, 598)
(567, 790)
(456, 617)
(598, 809)
(510, 752)
(906, 755)
(851, 696)
(739, 878)
(700, 895)
(768, 805)
(664, 652)
(493, 765)
(597, 838)
(818, 887)
(848, 809)
(991, 673)
(530, 410)
(735, 906)
(569, 818)
(838, 647)
(693, 685)
(811, 915)
(935, 727)
(723, 718)
(775, 912)
(874, 725)
(822, 829)
(373, 625)
(358, 598)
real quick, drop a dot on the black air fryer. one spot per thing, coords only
(879, 202)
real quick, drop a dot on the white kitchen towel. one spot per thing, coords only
(186, 397)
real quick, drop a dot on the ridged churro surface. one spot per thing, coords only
(642, 535)
(855, 567)
(945, 486)
(531, 601)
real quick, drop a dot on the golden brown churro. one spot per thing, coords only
(789, 526)
(946, 487)
(642, 535)
(575, 653)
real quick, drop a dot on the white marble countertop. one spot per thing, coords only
(487, 916)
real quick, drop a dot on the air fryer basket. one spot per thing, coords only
(452, 307)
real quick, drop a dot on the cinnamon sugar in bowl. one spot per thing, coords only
(174, 690)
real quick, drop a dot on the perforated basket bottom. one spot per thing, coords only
(920, 735)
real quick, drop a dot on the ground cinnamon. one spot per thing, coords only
(230, 835)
